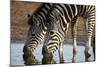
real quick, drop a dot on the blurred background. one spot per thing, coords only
(19, 26)
(19, 18)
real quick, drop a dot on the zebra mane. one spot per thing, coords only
(34, 14)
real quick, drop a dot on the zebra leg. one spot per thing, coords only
(88, 46)
(74, 36)
(94, 52)
(88, 49)
(93, 45)
(60, 51)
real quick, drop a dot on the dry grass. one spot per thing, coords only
(19, 26)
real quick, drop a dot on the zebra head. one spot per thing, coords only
(35, 35)
(37, 25)
(54, 35)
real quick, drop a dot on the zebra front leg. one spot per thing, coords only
(74, 38)
(60, 51)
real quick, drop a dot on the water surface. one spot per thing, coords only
(17, 58)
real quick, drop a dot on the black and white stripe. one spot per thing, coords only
(59, 19)
(37, 28)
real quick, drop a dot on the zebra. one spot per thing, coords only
(59, 19)
(37, 29)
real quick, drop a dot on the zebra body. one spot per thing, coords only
(59, 19)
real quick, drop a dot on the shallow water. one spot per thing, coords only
(17, 58)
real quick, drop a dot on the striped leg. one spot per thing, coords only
(88, 47)
(74, 37)
(60, 51)
(94, 47)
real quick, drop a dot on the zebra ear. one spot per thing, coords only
(28, 15)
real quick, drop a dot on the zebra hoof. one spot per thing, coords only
(87, 55)
(73, 61)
